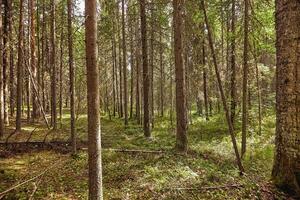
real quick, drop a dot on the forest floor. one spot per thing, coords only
(208, 171)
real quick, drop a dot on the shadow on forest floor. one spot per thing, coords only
(208, 171)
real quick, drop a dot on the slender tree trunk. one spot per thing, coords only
(245, 79)
(146, 81)
(11, 62)
(72, 75)
(233, 65)
(181, 135)
(205, 78)
(53, 65)
(151, 63)
(120, 64)
(137, 89)
(287, 151)
(124, 64)
(131, 69)
(230, 126)
(93, 96)
(20, 68)
(33, 56)
(5, 60)
(162, 83)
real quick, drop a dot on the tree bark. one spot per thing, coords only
(181, 127)
(72, 75)
(53, 65)
(33, 56)
(1, 75)
(233, 65)
(20, 67)
(286, 169)
(94, 132)
(124, 64)
(222, 94)
(245, 79)
(146, 81)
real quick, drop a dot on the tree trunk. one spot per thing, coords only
(146, 81)
(124, 64)
(20, 68)
(286, 169)
(53, 65)
(6, 42)
(222, 94)
(94, 132)
(72, 75)
(245, 79)
(181, 136)
(1, 75)
(33, 56)
(233, 65)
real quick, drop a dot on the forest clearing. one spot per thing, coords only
(149, 99)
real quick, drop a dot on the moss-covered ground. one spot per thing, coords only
(207, 172)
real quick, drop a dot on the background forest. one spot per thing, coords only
(44, 104)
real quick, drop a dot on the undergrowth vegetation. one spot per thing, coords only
(208, 171)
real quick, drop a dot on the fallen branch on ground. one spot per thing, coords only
(210, 187)
(2, 194)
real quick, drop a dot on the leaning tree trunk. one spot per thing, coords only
(222, 94)
(94, 132)
(286, 170)
(181, 136)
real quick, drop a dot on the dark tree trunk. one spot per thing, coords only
(286, 169)
(245, 79)
(53, 66)
(1, 75)
(33, 56)
(94, 132)
(181, 135)
(72, 74)
(233, 65)
(20, 68)
(146, 81)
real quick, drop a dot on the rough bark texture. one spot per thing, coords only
(146, 81)
(20, 68)
(33, 56)
(72, 74)
(53, 65)
(1, 77)
(94, 132)
(181, 136)
(286, 171)
(233, 65)
(245, 79)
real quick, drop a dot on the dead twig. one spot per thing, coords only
(2, 194)
(30, 135)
